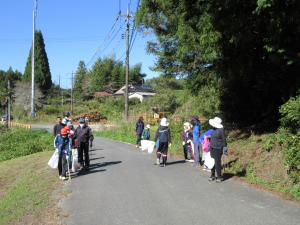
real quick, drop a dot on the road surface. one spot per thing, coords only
(125, 187)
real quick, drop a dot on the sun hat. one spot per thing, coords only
(218, 119)
(148, 126)
(216, 122)
(164, 122)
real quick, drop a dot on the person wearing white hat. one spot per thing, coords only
(187, 138)
(218, 142)
(163, 134)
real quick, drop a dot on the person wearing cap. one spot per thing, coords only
(146, 133)
(196, 135)
(57, 127)
(139, 127)
(163, 134)
(83, 133)
(62, 144)
(217, 143)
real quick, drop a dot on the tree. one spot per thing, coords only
(108, 72)
(81, 75)
(42, 74)
(249, 50)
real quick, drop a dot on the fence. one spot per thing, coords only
(19, 125)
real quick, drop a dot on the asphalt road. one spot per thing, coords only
(125, 187)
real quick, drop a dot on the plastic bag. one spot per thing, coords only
(151, 146)
(209, 161)
(53, 161)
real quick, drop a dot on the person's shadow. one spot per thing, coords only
(94, 168)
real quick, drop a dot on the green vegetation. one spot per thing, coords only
(26, 189)
(251, 61)
(42, 74)
(20, 142)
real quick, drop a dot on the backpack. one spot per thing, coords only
(205, 145)
(163, 135)
(146, 134)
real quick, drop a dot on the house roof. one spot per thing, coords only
(134, 89)
(102, 94)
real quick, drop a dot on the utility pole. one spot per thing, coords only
(72, 95)
(60, 91)
(127, 63)
(8, 103)
(32, 58)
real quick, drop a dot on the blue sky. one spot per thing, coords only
(73, 30)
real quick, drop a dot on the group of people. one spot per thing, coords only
(198, 147)
(72, 145)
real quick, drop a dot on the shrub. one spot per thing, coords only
(291, 150)
(20, 142)
(290, 114)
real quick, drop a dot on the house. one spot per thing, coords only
(136, 91)
(102, 94)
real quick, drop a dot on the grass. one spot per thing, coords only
(20, 142)
(26, 187)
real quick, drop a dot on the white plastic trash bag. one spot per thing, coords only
(75, 164)
(151, 146)
(53, 161)
(144, 145)
(209, 161)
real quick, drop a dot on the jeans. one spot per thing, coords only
(62, 165)
(196, 153)
(84, 148)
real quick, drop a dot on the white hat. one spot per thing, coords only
(148, 126)
(218, 119)
(216, 122)
(164, 122)
(64, 121)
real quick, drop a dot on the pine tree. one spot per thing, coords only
(81, 75)
(42, 69)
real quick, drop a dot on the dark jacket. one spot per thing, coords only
(139, 127)
(218, 140)
(83, 134)
(163, 134)
(57, 128)
(187, 135)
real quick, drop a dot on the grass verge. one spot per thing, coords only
(18, 142)
(26, 190)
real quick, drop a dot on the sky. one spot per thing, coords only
(73, 30)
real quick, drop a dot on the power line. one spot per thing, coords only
(105, 39)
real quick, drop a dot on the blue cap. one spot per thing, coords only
(81, 120)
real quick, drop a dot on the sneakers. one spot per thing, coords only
(60, 177)
(157, 162)
(219, 179)
(163, 165)
(64, 178)
(211, 178)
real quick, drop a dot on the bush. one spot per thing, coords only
(291, 150)
(290, 114)
(20, 142)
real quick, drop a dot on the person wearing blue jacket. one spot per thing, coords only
(196, 134)
(62, 143)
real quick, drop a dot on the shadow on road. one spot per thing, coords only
(94, 168)
(97, 158)
(99, 149)
(175, 162)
